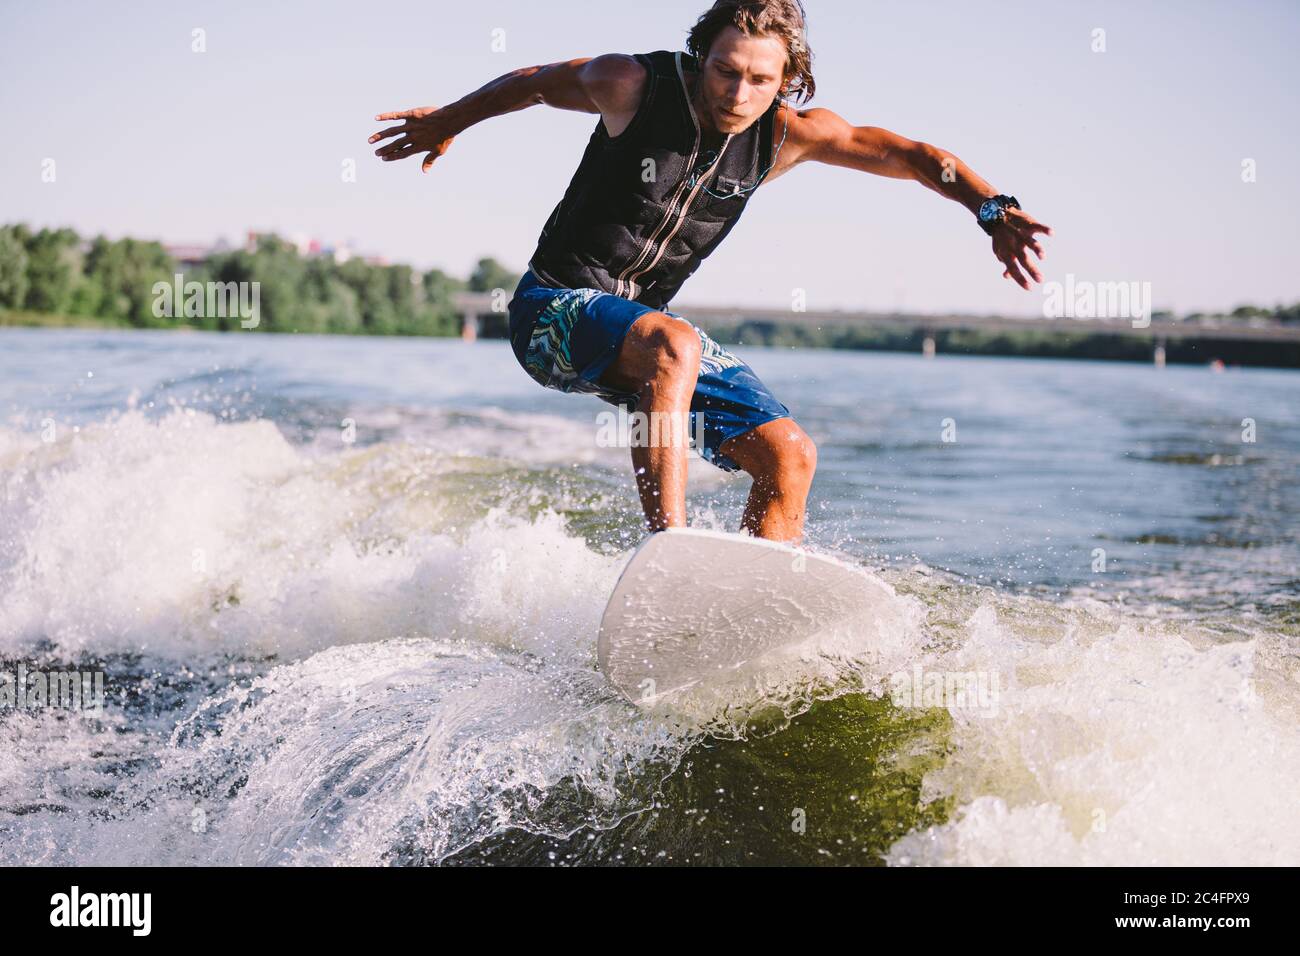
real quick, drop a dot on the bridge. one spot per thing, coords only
(479, 308)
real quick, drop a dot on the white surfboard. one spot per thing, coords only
(692, 605)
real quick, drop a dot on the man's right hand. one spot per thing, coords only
(426, 129)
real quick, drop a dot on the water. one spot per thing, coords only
(345, 595)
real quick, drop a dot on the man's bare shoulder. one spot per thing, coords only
(798, 134)
(615, 82)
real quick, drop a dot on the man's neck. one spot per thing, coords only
(709, 136)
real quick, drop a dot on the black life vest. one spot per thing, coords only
(634, 221)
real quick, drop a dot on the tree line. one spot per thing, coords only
(53, 273)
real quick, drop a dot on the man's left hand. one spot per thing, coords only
(1013, 238)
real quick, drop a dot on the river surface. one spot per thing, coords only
(344, 596)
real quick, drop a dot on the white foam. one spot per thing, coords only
(438, 677)
(187, 536)
(531, 438)
(1116, 742)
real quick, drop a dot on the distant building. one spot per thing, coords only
(310, 248)
(188, 256)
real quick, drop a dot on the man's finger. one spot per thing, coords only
(386, 133)
(1023, 258)
(391, 153)
(400, 114)
(392, 147)
(1021, 221)
(1038, 249)
(1021, 218)
(428, 162)
(408, 150)
(1013, 272)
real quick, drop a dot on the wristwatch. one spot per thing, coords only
(994, 210)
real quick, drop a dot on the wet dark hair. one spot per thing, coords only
(784, 19)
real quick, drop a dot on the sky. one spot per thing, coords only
(1133, 155)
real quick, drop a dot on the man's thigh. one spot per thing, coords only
(577, 338)
(731, 400)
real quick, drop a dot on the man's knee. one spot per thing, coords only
(778, 450)
(674, 344)
(797, 454)
(658, 350)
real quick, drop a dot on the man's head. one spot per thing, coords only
(750, 51)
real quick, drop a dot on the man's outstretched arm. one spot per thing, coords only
(823, 136)
(610, 85)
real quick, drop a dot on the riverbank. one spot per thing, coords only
(793, 335)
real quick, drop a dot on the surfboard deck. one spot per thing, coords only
(692, 605)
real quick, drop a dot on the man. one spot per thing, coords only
(683, 140)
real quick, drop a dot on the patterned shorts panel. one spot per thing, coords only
(565, 339)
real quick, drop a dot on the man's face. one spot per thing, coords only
(739, 79)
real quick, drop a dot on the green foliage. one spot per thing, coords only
(53, 270)
(1288, 314)
(123, 274)
(1029, 343)
(53, 277)
(53, 273)
(490, 274)
(13, 268)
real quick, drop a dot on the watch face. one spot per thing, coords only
(990, 210)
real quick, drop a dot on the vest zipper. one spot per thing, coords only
(699, 184)
(690, 165)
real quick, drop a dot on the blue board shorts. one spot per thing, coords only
(566, 338)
